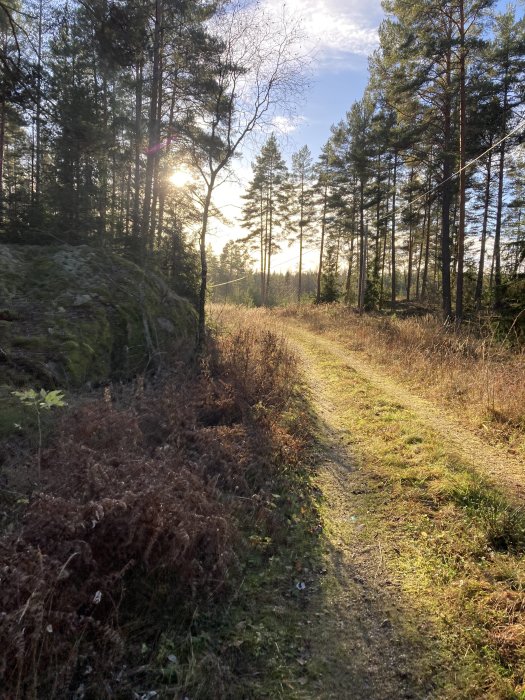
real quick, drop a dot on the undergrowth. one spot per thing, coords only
(162, 509)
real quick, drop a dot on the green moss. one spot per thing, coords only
(93, 316)
(7, 315)
(36, 342)
(77, 361)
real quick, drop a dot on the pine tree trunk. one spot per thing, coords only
(437, 253)
(362, 252)
(104, 171)
(410, 261)
(498, 289)
(201, 327)
(128, 200)
(420, 256)
(481, 269)
(138, 145)
(462, 162)
(427, 253)
(446, 188)
(384, 245)
(156, 186)
(377, 247)
(393, 241)
(321, 250)
(38, 114)
(348, 285)
(270, 240)
(153, 133)
(301, 214)
(160, 186)
(2, 154)
(262, 236)
(410, 240)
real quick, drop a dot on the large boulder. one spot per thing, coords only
(74, 315)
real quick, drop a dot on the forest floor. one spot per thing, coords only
(422, 592)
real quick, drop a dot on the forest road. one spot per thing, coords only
(367, 643)
(506, 472)
(357, 633)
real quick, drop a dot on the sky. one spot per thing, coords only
(338, 35)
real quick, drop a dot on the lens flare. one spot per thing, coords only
(180, 177)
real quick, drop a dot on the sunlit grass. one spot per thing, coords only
(452, 542)
(470, 372)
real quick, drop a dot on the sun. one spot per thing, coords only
(180, 176)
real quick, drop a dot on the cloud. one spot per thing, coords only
(287, 125)
(334, 29)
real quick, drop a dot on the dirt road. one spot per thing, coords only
(506, 472)
(381, 625)
(361, 644)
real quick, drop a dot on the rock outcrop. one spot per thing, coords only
(74, 315)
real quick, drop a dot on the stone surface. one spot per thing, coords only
(74, 315)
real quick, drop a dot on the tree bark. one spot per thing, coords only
(446, 188)
(427, 252)
(201, 327)
(481, 269)
(393, 239)
(362, 252)
(301, 214)
(138, 144)
(462, 163)
(498, 289)
(38, 114)
(410, 239)
(420, 256)
(321, 250)
(153, 133)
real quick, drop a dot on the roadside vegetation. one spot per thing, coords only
(229, 531)
(474, 372)
(173, 516)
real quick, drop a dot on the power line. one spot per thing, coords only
(285, 262)
(221, 284)
(409, 204)
(238, 279)
(471, 162)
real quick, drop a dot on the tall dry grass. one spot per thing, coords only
(468, 371)
(256, 359)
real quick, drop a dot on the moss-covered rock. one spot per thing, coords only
(74, 315)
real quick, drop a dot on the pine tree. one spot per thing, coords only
(301, 204)
(266, 209)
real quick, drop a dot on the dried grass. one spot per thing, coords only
(140, 494)
(469, 370)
